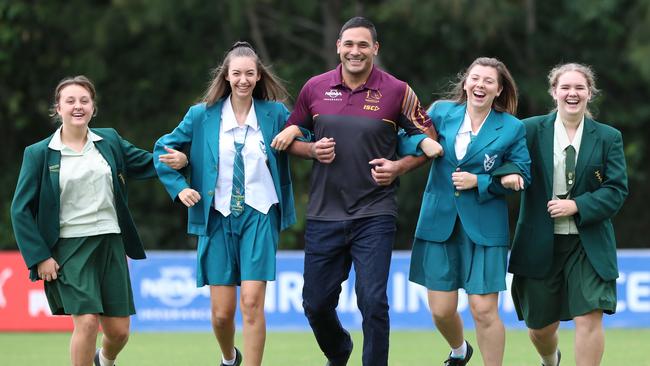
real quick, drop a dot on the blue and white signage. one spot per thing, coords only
(167, 299)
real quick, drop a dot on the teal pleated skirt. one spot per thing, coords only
(459, 263)
(239, 248)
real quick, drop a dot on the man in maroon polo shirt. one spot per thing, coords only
(354, 112)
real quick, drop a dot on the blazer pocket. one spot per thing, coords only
(595, 175)
(493, 219)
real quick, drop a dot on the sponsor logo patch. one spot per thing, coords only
(367, 107)
(333, 95)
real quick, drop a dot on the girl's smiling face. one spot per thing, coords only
(571, 95)
(482, 86)
(75, 106)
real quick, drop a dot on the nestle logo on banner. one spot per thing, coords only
(176, 286)
(333, 94)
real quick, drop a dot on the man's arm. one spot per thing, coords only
(386, 171)
(301, 149)
(322, 150)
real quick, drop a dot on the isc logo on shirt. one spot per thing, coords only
(373, 108)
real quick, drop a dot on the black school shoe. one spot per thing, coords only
(238, 358)
(451, 361)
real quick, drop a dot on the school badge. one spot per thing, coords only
(488, 163)
(599, 176)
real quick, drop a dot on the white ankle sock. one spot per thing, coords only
(459, 352)
(550, 360)
(229, 362)
(103, 361)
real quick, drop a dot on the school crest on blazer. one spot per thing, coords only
(488, 163)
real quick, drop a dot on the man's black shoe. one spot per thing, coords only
(347, 357)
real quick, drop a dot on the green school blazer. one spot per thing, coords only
(35, 206)
(599, 192)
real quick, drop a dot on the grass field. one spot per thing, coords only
(623, 347)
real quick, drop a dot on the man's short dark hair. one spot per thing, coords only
(360, 22)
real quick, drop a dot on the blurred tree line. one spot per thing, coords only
(150, 60)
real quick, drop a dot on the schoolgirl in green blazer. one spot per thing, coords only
(72, 223)
(564, 252)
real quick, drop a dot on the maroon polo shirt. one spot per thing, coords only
(364, 124)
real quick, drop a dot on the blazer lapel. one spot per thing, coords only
(487, 134)
(453, 121)
(212, 128)
(54, 166)
(587, 145)
(263, 121)
(545, 148)
(266, 125)
(103, 146)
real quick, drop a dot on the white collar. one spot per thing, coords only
(57, 144)
(229, 121)
(466, 127)
(563, 138)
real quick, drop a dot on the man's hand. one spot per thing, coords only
(385, 171)
(173, 159)
(512, 181)
(431, 148)
(189, 197)
(48, 270)
(323, 150)
(562, 208)
(463, 180)
(282, 140)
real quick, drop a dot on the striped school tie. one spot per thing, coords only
(238, 190)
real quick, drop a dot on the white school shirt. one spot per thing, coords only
(563, 225)
(463, 137)
(86, 190)
(259, 190)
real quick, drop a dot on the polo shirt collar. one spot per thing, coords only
(372, 82)
(562, 137)
(57, 144)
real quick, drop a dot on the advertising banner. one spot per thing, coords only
(23, 306)
(167, 299)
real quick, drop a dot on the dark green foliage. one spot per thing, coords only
(151, 59)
